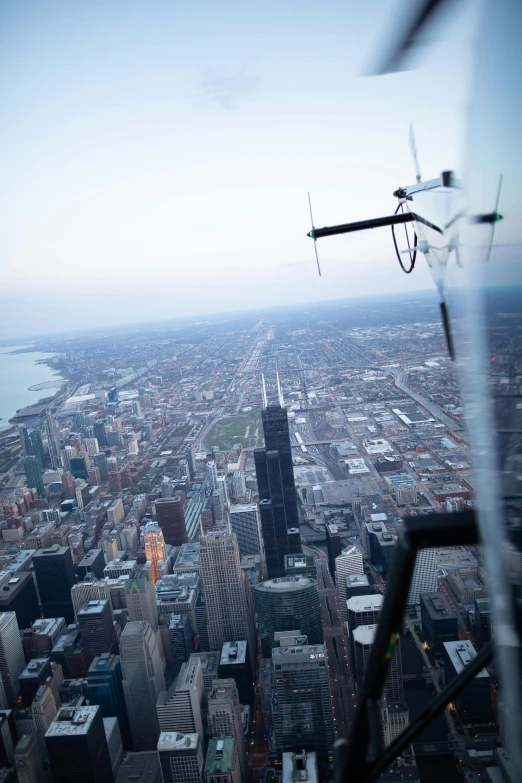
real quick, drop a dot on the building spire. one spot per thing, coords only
(265, 401)
(279, 390)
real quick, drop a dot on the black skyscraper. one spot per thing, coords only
(53, 568)
(277, 497)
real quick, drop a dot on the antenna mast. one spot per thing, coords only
(279, 390)
(265, 401)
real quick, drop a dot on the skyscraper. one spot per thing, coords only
(143, 681)
(302, 703)
(286, 604)
(363, 638)
(348, 563)
(53, 442)
(28, 763)
(100, 433)
(33, 475)
(77, 746)
(181, 757)
(105, 688)
(334, 547)
(424, 579)
(154, 547)
(227, 591)
(222, 763)
(97, 629)
(12, 659)
(277, 495)
(141, 598)
(35, 437)
(224, 718)
(244, 522)
(53, 568)
(171, 519)
(179, 708)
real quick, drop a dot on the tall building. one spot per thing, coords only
(100, 461)
(155, 550)
(333, 546)
(363, 638)
(28, 764)
(43, 710)
(171, 519)
(143, 681)
(33, 676)
(35, 437)
(234, 663)
(221, 763)
(114, 743)
(100, 433)
(179, 708)
(424, 579)
(180, 635)
(33, 475)
(77, 747)
(92, 447)
(12, 660)
(105, 688)
(285, 604)
(25, 440)
(439, 622)
(277, 495)
(181, 757)
(302, 703)
(348, 563)
(474, 702)
(212, 476)
(54, 572)
(53, 442)
(482, 621)
(244, 522)
(141, 598)
(300, 766)
(97, 629)
(224, 718)
(18, 595)
(227, 591)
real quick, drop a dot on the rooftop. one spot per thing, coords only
(298, 654)
(286, 584)
(233, 652)
(220, 754)
(460, 654)
(175, 740)
(71, 720)
(364, 634)
(365, 603)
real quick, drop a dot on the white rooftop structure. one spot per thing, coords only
(364, 634)
(72, 721)
(175, 740)
(365, 603)
(461, 653)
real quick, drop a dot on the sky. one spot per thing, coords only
(156, 157)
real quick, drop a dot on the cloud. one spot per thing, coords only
(226, 92)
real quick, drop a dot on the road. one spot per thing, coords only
(341, 683)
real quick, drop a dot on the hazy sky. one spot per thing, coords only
(156, 156)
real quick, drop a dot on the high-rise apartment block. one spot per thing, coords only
(224, 718)
(181, 757)
(18, 595)
(473, 703)
(277, 494)
(227, 591)
(77, 747)
(54, 572)
(12, 659)
(143, 681)
(287, 603)
(234, 663)
(171, 519)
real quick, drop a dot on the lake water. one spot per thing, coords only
(17, 373)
